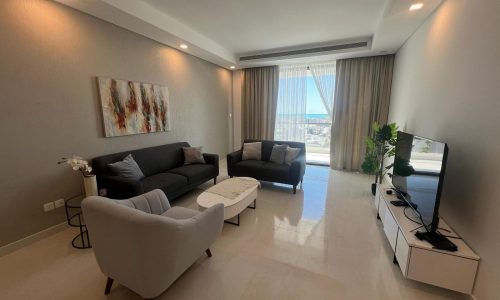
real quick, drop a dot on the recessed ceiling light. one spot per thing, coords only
(232, 67)
(183, 46)
(416, 6)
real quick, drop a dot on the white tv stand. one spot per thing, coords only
(417, 259)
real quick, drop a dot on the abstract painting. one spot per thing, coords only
(130, 107)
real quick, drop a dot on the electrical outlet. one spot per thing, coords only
(48, 206)
(59, 203)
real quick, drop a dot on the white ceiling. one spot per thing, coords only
(221, 30)
(253, 25)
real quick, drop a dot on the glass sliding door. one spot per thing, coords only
(318, 127)
(302, 114)
(291, 110)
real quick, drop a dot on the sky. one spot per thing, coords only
(314, 103)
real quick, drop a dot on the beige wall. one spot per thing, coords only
(49, 58)
(237, 81)
(446, 86)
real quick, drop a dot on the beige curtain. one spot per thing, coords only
(259, 100)
(362, 94)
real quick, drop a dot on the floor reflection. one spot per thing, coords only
(322, 243)
(316, 182)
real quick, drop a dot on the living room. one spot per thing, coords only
(315, 75)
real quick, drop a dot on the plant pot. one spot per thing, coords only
(374, 188)
(90, 185)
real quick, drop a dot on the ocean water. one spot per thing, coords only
(317, 116)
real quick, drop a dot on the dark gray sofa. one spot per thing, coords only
(163, 167)
(266, 170)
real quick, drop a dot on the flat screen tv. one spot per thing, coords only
(418, 173)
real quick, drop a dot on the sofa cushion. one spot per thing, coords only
(278, 154)
(127, 168)
(152, 160)
(179, 213)
(164, 181)
(193, 155)
(252, 151)
(267, 146)
(291, 154)
(195, 173)
(250, 168)
(275, 171)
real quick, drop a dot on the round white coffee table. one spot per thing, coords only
(235, 193)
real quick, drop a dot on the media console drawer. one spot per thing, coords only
(390, 228)
(417, 259)
(381, 211)
(445, 270)
(402, 253)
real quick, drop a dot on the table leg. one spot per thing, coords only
(254, 204)
(232, 223)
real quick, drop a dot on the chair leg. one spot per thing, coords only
(209, 253)
(295, 189)
(301, 182)
(109, 283)
(215, 180)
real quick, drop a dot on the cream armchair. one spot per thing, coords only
(144, 244)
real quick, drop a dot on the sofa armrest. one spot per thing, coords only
(212, 159)
(208, 225)
(118, 187)
(232, 160)
(297, 169)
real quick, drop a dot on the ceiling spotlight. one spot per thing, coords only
(232, 67)
(416, 6)
(183, 46)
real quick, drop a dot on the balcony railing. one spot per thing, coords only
(317, 138)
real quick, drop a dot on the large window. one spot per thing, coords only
(302, 113)
(318, 126)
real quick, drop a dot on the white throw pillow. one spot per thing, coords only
(252, 151)
(291, 154)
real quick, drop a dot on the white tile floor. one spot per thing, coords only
(322, 243)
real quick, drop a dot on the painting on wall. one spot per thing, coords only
(130, 107)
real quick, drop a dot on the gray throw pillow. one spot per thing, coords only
(278, 154)
(252, 151)
(291, 154)
(127, 168)
(193, 155)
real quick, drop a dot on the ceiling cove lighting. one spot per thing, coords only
(183, 46)
(416, 6)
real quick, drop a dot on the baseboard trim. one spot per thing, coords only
(4, 250)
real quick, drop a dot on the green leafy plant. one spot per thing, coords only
(379, 146)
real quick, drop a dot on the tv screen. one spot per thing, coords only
(418, 172)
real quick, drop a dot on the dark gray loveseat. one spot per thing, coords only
(163, 167)
(266, 170)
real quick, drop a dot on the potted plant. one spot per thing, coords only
(379, 146)
(79, 164)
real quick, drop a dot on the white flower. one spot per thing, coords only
(78, 163)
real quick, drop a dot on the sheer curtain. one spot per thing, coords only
(324, 78)
(291, 110)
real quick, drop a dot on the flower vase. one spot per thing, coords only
(90, 185)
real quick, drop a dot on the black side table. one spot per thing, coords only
(75, 218)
